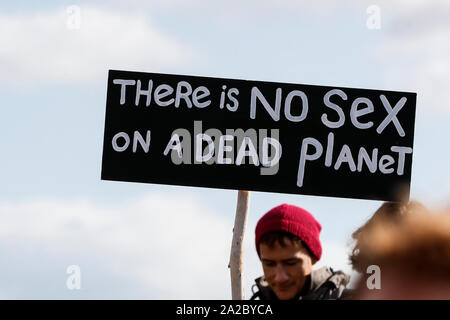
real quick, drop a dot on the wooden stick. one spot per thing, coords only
(237, 252)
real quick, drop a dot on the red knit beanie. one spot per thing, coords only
(294, 220)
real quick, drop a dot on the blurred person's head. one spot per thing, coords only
(288, 245)
(413, 257)
(391, 212)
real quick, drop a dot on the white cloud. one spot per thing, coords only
(415, 51)
(173, 246)
(157, 247)
(47, 46)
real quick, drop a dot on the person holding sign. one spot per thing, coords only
(288, 245)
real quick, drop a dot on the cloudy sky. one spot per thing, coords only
(143, 241)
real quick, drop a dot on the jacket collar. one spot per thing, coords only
(317, 279)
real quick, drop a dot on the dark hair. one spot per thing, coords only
(280, 237)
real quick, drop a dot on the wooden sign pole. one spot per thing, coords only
(237, 253)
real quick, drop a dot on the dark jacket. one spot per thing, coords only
(323, 284)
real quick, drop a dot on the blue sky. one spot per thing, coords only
(55, 209)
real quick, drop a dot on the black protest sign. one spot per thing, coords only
(261, 136)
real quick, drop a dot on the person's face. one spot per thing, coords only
(286, 268)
